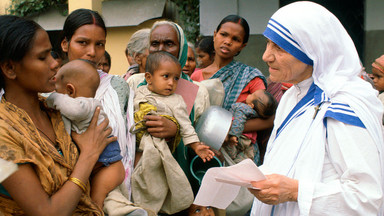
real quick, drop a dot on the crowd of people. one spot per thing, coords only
(87, 142)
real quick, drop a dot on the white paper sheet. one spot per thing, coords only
(221, 185)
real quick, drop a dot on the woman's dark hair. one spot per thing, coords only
(79, 18)
(205, 44)
(239, 20)
(16, 39)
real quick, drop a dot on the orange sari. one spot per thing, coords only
(21, 143)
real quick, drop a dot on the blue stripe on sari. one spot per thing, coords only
(344, 113)
(281, 29)
(300, 108)
(278, 34)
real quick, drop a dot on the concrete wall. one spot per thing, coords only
(117, 39)
(257, 14)
(253, 52)
(4, 4)
(374, 32)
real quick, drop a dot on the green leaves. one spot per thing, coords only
(188, 12)
(189, 18)
(26, 8)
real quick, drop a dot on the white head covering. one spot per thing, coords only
(316, 37)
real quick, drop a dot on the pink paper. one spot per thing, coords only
(188, 91)
(221, 185)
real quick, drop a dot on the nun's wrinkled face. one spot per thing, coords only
(284, 67)
(164, 38)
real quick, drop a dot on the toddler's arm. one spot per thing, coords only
(71, 108)
(202, 150)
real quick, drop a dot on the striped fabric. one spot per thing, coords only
(303, 105)
(235, 76)
(344, 113)
(282, 37)
(315, 97)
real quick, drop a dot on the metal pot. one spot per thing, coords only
(213, 126)
(216, 91)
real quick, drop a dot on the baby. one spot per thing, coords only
(157, 177)
(259, 104)
(196, 210)
(163, 73)
(76, 85)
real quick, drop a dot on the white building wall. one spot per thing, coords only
(374, 16)
(374, 32)
(256, 12)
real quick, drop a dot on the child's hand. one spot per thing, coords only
(233, 141)
(203, 151)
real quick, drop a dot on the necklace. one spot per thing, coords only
(46, 136)
(54, 143)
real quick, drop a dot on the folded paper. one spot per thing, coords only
(221, 185)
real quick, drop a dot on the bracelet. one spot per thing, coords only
(79, 183)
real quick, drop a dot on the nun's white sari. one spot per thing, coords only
(327, 130)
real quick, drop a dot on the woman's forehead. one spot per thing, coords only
(164, 32)
(90, 31)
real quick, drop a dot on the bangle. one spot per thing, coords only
(79, 183)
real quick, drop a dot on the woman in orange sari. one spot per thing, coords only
(52, 178)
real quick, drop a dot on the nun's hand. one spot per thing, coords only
(276, 189)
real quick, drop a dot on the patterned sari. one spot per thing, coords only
(235, 76)
(21, 143)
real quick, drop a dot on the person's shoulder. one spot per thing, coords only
(118, 83)
(245, 66)
(143, 88)
(175, 96)
(254, 70)
(176, 103)
(136, 77)
(197, 75)
(118, 79)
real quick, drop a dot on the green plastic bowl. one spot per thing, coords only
(199, 168)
